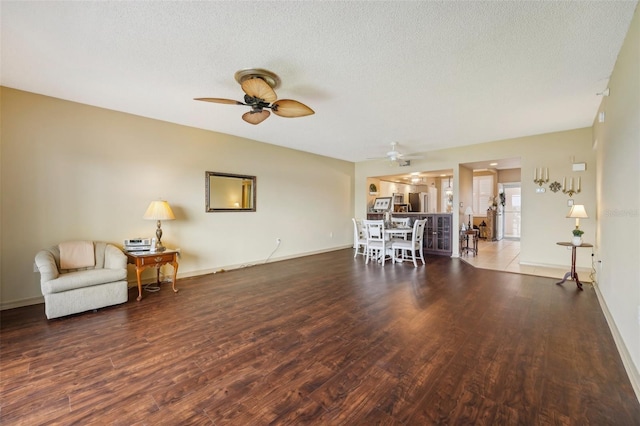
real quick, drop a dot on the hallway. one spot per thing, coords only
(504, 255)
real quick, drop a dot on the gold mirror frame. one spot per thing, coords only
(226, 192)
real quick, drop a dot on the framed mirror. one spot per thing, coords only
(225, 192)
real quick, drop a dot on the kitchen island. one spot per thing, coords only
(437, 231)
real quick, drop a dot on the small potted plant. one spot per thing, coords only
(577, 237)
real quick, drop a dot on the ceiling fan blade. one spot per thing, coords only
(255, 117)
(258, 88)
(220, 101)
(290, 108)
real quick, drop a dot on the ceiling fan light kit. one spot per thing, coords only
(269, 77)
(258, 85)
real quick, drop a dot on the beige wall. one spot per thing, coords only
(617, 142)
(544, 219)
(509, 176)
(72, 171)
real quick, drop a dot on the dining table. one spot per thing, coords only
(395, 232)
(403, 231)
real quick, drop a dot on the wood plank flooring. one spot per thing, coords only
(323, 340)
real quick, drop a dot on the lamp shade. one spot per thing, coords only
(469, 210)
(578, 211)
(159, 210)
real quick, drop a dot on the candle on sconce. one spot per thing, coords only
(546, 174)
(570, 184)
(564, 183)
(579, 183)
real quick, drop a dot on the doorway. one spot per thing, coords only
(512, 211)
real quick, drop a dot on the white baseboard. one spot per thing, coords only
(134, 283)
(258, 262)
(627, 361)
(567, 267)
(21, 303)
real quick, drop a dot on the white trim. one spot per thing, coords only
(21, 303)
(257, 262)
(134, 283)
(627, 361)
(579, 269)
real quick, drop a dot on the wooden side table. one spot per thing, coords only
(465, 236)
(572, 274)
(144, 260)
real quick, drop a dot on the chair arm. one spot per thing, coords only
(114, 258)
(47, 267)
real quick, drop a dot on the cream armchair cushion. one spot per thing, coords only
(69, 291)
(76, 254)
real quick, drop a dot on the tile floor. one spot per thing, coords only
(504, 255)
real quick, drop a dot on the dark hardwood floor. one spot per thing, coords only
(327, 340)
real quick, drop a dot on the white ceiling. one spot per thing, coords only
(426, 74)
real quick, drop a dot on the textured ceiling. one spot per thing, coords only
(425, 74)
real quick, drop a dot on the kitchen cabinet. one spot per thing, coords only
(437, 231)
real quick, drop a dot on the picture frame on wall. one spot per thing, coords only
(382, 203)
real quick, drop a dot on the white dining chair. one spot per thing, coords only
(359, 239)
(410, 247)
(376, 240)
(401, 221)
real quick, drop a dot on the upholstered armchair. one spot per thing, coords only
(80, 276)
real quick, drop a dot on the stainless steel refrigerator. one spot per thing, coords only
(414, 202)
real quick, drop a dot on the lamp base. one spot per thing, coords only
(159, 246)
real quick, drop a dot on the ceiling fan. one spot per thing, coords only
(258, 85)
(395, 156)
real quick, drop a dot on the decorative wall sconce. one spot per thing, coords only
(571, 190)
(539, 177)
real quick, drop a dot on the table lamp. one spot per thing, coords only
(469, 211)
(159, 210)
(578, 211)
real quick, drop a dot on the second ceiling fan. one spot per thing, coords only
(258, 85)
(396, 157)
